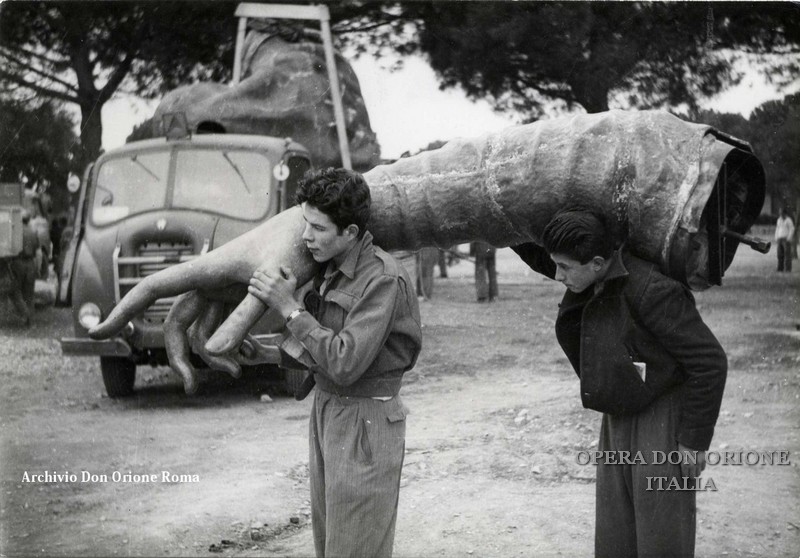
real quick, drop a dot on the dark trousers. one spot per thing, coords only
(24, 271)
(442, 263)
(784, 255)
(630, 520)
(357, 446)
(428, 257)
(486, 277)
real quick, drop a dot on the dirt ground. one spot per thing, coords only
(493, 439)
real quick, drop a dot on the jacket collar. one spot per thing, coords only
(348, 267)
(617, 268)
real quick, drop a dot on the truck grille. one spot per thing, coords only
(151, 258)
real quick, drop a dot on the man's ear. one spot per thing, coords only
(351, 230)
(598, 262)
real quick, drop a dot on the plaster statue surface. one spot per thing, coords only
(284, 92)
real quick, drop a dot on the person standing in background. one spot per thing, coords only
(485, 271)
(784, 235)
(427, 257)
(23, 269)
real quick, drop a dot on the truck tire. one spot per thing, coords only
(293, 379)
(118, 376)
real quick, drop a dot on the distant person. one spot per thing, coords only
(56, 230)
(427, 258)
(23, 270)
(42, 228)
(649, 363)
(485, 271)
(442, 263)
(784, 236)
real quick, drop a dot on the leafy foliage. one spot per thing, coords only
(38, 147)
(776, 138)
(85, 52)
(773, 130)
(37, 143)
(524, 55)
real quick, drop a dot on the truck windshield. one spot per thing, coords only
(233, 183)
(129, 185)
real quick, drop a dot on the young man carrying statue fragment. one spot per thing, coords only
(645, 359)
(358, 332)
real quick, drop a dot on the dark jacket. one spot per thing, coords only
(639, 315)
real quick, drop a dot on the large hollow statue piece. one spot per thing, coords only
(664, 184)
(284, 92)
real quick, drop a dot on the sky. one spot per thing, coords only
(408, 110)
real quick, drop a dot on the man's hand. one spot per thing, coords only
(275, 289)
(691, 466)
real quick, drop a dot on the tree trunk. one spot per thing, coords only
(91, 131)
(595, 101)
(590, 91)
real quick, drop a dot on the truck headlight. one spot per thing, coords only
(89, 315)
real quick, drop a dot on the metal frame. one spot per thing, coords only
(290, 11)
(719, 232)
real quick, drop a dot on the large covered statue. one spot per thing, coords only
(680, 194)
(284, 92)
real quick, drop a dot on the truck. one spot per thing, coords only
(157, 202)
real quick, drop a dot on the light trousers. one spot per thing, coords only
(357, 445)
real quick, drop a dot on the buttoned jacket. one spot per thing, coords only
(362, 330)
(638, 315)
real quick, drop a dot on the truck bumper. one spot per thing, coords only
(76, 346)
(81, 346)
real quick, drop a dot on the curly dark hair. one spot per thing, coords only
(578, 233)
(341, 194)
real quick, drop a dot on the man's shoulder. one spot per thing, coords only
(375, 262)
(390, 265)
(636, 266)
(644, 275)
(387, 265)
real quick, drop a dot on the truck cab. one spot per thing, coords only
(155, 203)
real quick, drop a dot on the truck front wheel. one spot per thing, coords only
(118, 376)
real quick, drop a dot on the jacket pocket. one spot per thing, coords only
(396, 411)
(615, 387)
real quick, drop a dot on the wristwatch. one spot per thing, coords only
(294, 314)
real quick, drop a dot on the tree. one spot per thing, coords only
(524, 55)
(38, 145)
(776, 140)
(733, 124)
(773, 132)
(85, 52)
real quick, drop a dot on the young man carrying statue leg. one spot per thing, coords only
(358, 332)
(649, 363)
